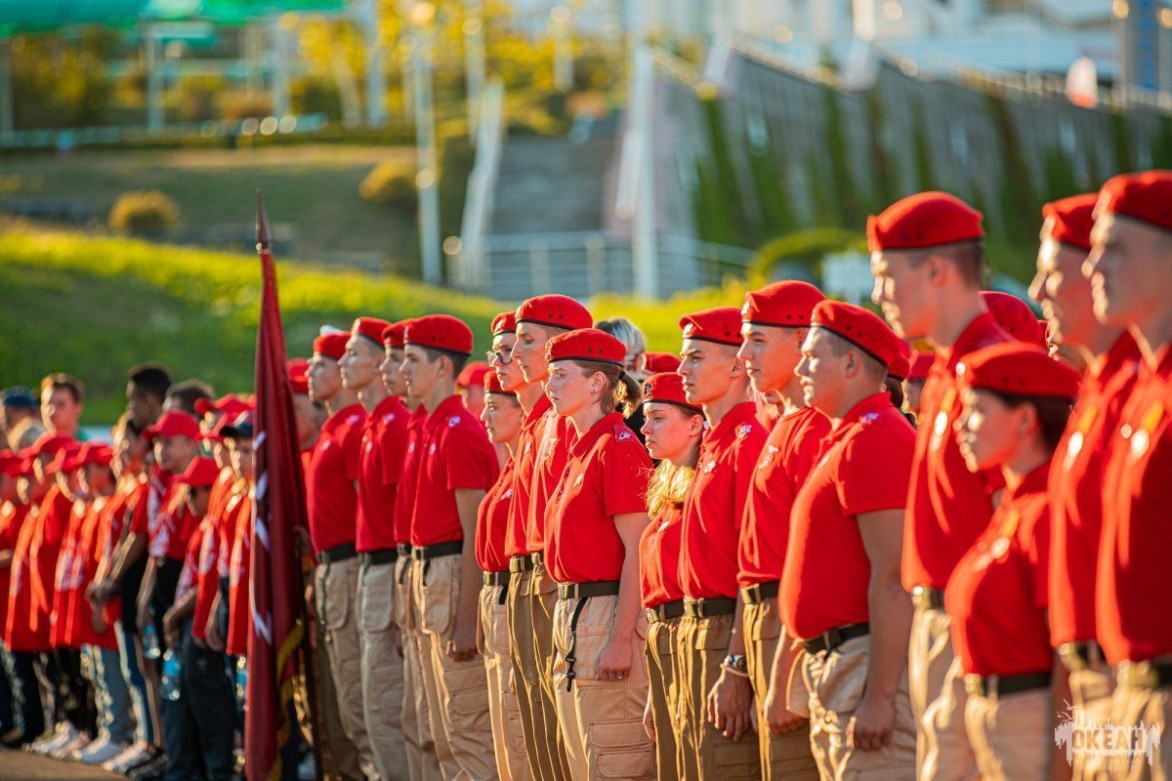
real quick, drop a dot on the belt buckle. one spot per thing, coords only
(975, 684)
(1140, 675)
(1070, 656)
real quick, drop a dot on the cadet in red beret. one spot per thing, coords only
(470, 385)
(657, 363)
(717, 698)
(1015, 317)
(544, 450)
(774, 322)
(1131, 269)
(672, 429)
(928, 259)
(457, 466)
(335, 467)
(841, 594)
(594, 521)
(502, 418)
(1016, 400)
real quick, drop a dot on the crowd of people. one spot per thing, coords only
(816, 543)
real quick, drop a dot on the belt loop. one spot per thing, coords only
(324, 579)
(570, 658)
(403, 572)
(504, 592)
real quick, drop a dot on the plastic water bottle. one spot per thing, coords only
(172, 668)
(150, 642)
(241, 678)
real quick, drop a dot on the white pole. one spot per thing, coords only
(376, 82)
(563, 53)
(474, 66)
(426, 180)
(155, 115)
(7, 120)
(279, 46)
(644, 253)
(407, 56)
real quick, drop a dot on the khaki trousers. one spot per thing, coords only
(338, 754)
(382, 670)
(664, 695)
(422, 761)
(457, 692)
(601, 721)
(836, 681)
(1143, 710)
(1091, 691)
(938, 699)
(335, 586)
(503, 708)
(705, 753)
(1009, 734)
(782, 756)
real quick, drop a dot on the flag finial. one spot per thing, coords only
(263, 242)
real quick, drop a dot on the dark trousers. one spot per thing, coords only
(75, 696)
(7, 709)
(198, 727)
(28, 704)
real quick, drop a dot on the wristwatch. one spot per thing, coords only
(737, 662)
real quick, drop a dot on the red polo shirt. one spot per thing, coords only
(948, 506)
(12, 515)
(715, 505)
(48, 537)
(553, 439)
(408, 477)
(189, 575)
(207, 573)
(606, 475)
(239, 565)
(865, 468)
(997, 594)
(659, 558)
(116, 516)
(333, 470)
(68, 577)
(1133, 553)
(384, 445)
(492, 522)
(1076, 492)
(79, 612)
(789, 454)
(20, 633)
(454, 454)
(525, 473)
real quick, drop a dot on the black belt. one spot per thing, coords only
(497, 578)
(759, 592)
(404, 550)
(599, 588)
(1080, 656)
(437, 551)
(519, 564)
(928, 598)
(337, 553)
(376, 557)
(1144, 675)
(1002, 685)
(707, 608)
(828, 641)
(666, 611)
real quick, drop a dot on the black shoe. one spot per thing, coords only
(14, 738)
(150, 771)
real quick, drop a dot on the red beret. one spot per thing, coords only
(660, 362)
(586, 344)
(1015, 317)
(173, 424)
(440, 332)
(721, 325)
(92, 453)
(504, 323)
(299, 376)
(1146, 196)
(921, 365)
(65, 460)
(1017, 369)
(787, 303)
(861, 327)
(370, 327)
(927, 219)
(49, 444)
(230, 405)
(392, 335)
(667, 388)
(202, 472)
(331, 345)
(10, 463)
(901, 367)
(556, 311)
(1070, 220)
(473, 374)
(492, 384)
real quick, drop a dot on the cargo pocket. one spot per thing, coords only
(497, 638)
(842, 680)
(336, 599)
(377, 596)
(437, 601)
(402, 594)
(620, 749)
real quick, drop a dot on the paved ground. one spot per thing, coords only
(22, 766)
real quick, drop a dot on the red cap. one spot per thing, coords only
(1015, 317)
(299, 375)
(393, 334)
(332, 345)
(1017, 369)
(200, 473)
(921, 365)
(370, 327)
(504, 323)
(1146, 196)
(50, 444)
(173, 424)
(927, 219)
(656, 363)
(667, 388)
(65, 460)
(492, 384)
(1070, 220)
(92, 453)
(556, 311)
(586, 344)
(27, 457)
(789, 303)
(861, 327)
(473, 374)
(230, 405)
(440, 332)
(10, 463)
(721, 325)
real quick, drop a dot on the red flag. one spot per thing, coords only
(278, 610)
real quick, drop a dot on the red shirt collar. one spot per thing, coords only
(339, 418)
(586, 441)
(447, 408)
(875, 403)
(741, 414)
(1035, 482)
(389, 404)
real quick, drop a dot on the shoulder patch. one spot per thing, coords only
(353, 418)
(453, 421)
(744, 431)
(624, 436)
(869, 418)
(388, 418)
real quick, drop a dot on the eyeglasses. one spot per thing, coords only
(504, 357)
